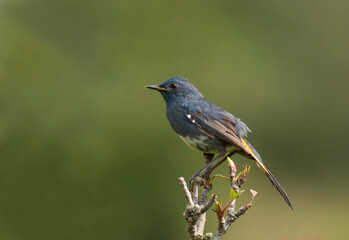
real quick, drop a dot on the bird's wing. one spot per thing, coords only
(225, 129)
(221, 128)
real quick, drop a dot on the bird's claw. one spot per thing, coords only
(207, 180)
(193, 179)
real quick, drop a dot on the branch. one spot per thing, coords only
(232, 215)
(186, 191)
(195, 212)
(198, 205)
(209, 203)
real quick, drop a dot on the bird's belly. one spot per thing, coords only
(205, 144)
(198, 143)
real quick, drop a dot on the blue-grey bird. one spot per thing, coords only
(207, 128)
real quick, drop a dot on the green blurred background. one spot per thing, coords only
(87, 153)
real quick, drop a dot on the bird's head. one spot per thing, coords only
(176, 87)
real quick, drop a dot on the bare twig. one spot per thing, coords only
(209, 203)
(186, 191)
(194, 211)
(200, 224)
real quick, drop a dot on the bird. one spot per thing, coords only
(207, 128)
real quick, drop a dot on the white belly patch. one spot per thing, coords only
(197, 144)
(200, 145)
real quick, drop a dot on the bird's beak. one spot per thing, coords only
(156, 87)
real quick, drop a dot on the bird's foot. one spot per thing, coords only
(206, 180)
(195, 179)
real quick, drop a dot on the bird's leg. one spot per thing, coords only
(207, 165)
(206, 176)
(208, 157)
(210, 170)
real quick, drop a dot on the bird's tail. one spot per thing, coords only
(261, 165)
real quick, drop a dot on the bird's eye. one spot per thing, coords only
(173, 86)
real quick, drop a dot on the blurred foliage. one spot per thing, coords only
(87, 153)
